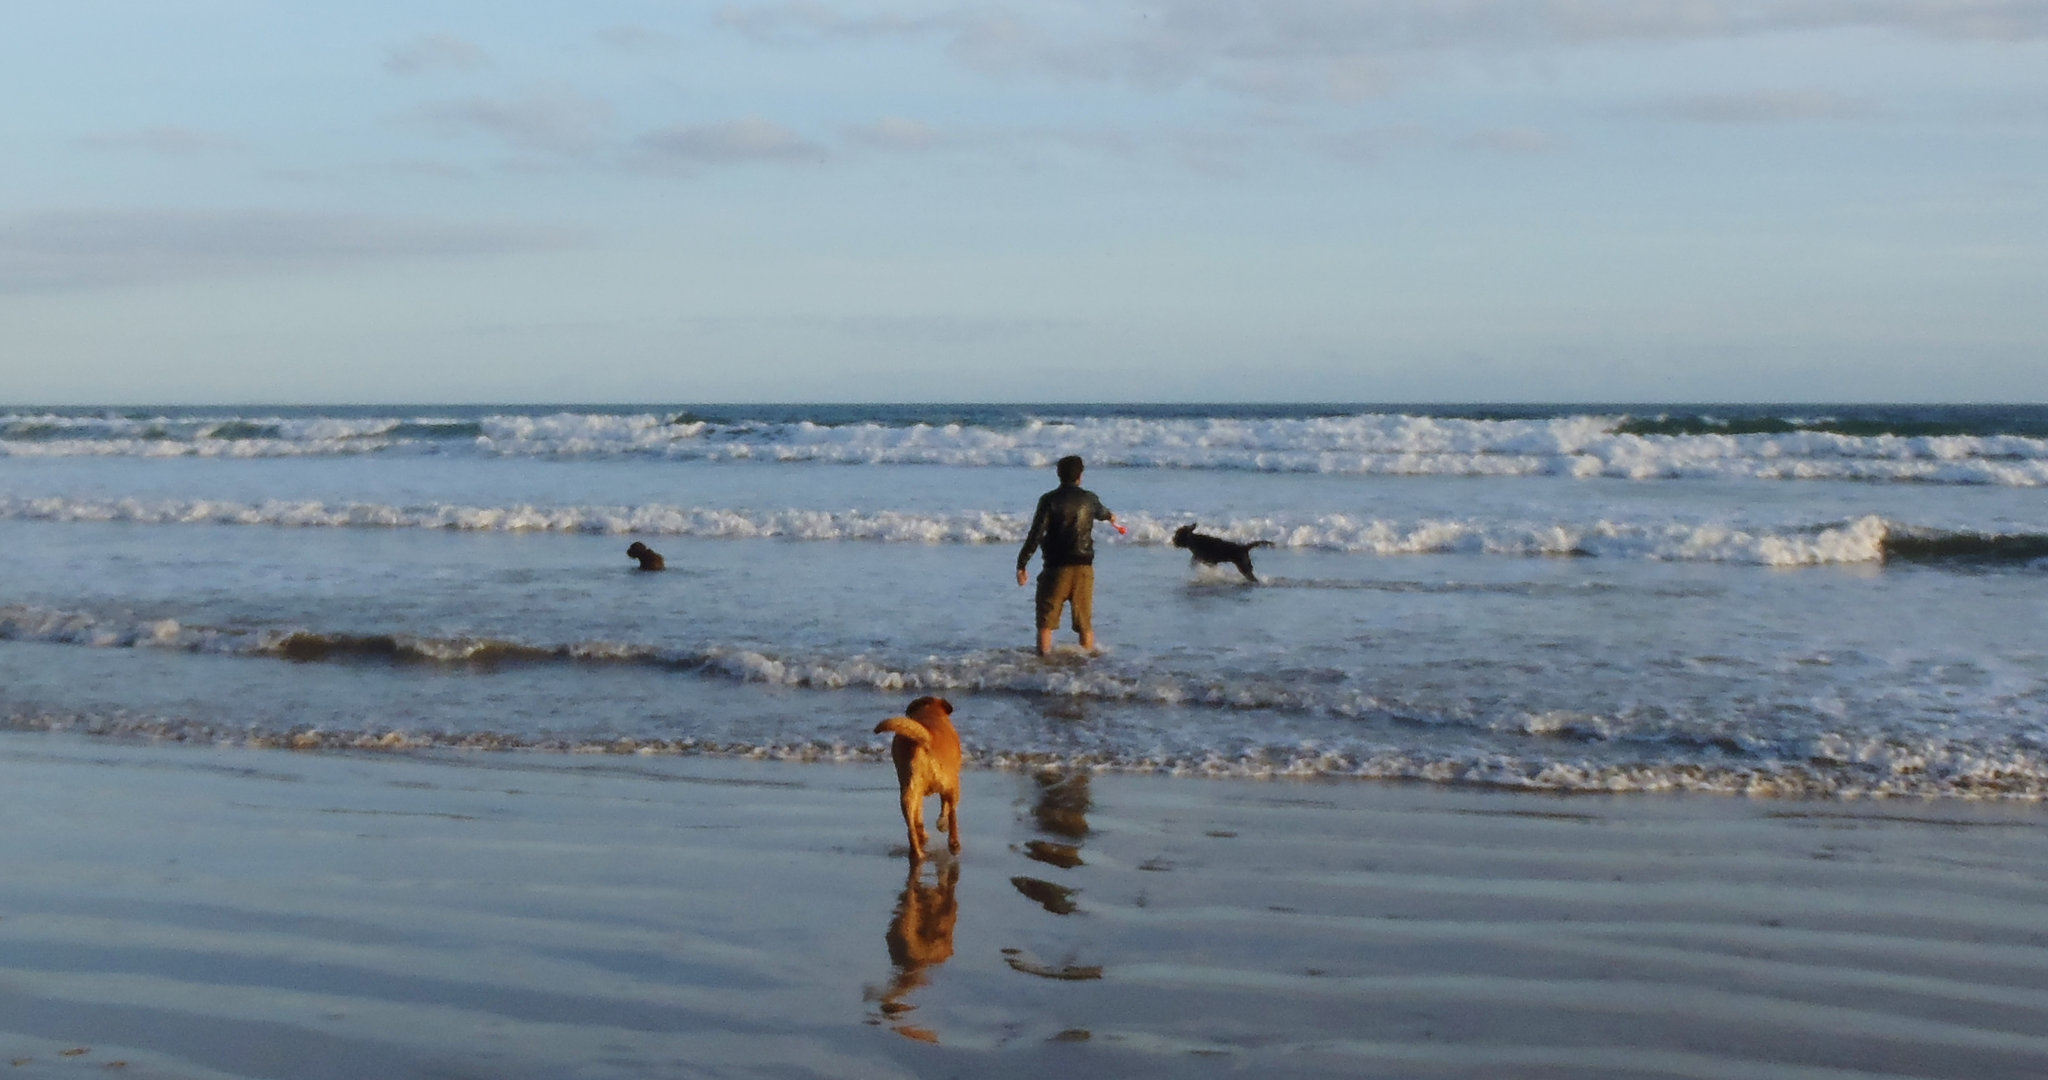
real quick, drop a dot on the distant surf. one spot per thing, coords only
(1868, 539)
(2004, 448)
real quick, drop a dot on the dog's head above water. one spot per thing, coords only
(1180, 535)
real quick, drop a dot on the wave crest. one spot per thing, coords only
(1863, 540)
(1583, 446)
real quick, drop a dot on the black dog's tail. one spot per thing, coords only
(1259, 543)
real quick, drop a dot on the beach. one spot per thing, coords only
(218, 911)
(1550, 741)
(1489, 540)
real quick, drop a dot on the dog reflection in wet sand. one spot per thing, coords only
(920, 938)
(927, 754)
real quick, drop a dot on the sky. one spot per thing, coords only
(246, 201)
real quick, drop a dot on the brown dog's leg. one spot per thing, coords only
(913, 821)
(949, 819)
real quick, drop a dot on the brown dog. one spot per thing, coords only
(650, 559)
(927, 753)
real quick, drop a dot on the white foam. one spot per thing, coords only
(1858, 541)
(1912, 771)
(1905, 743)
(1371, 444)
(21, 622)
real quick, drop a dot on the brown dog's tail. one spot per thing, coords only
(907, 728)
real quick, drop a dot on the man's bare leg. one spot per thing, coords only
(1045, 642)
(1088, 642)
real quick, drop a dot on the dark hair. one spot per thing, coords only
(1070, 468)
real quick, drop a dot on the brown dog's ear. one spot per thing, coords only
(946, 705)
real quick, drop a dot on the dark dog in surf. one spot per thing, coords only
(927, 753)
(650, 559)
(1214, 550)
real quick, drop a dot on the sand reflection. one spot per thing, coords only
(920, 938)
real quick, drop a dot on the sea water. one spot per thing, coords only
(1786, 600)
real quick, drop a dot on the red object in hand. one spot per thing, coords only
(1121, 531)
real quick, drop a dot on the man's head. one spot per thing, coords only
(1070, 469)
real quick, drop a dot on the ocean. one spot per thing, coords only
(1812, 600)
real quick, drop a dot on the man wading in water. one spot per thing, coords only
(1066, 515)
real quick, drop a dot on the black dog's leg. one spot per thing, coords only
(1244, 566)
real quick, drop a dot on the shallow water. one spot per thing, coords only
(1544, 600)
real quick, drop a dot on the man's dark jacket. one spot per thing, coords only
(1064, 522)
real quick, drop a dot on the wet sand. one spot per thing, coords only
(208, 912)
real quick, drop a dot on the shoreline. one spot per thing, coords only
(1797, 782)
(205, 911)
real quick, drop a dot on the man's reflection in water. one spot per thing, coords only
(1062, 811)
(920, 938)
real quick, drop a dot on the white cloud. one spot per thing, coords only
(905, 135)
(747, 140)
(87, 250)
(1515, 140)
(1762, 107)
(1366, 145)
(547, 120)
(897, 133)
(793, 23)
(435, 52)
(1338, 49)
(638, 41)
(164, 140)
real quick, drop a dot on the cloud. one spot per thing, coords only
(89, 250)
(165, 140)
(1762, 107)
(1337, 49)
(744, 141)
(547, 120)
(1515, 141)
(794, 23)
(434, 53)
(638, 41)
(897, 133)
(1368, 145)
(890, 329)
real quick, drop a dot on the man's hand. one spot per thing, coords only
(1022, 575)
(1120, 530)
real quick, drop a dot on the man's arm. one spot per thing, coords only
(1102, 513)
(1035, 537)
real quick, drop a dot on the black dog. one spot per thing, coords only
(650, 559)
(1212, 550)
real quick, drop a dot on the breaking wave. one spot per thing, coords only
(1000, 671)
(1927, 770)
(1283, 723)
(1374, 443)
(1868, 539)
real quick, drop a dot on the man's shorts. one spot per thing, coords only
(1058, 585)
